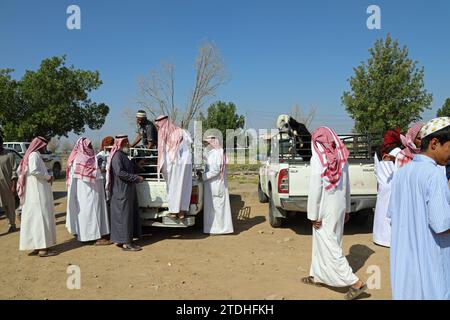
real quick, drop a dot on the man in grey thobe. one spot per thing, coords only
(8, 180)
(125, 222)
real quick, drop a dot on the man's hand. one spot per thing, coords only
(51, 180)
(140, 179)
(317, 224)
(347, 217)
(14, 187)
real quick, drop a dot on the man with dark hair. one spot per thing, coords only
(419, 209)
(145, 131)
(8, 180)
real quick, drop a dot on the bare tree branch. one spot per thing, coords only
(157, 93)
(300, 116)
(210, 75)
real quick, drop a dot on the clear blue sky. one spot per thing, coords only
(277, 53)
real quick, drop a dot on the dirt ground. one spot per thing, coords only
(257, 262)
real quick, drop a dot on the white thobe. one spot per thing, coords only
(87, 215)
(384, 171)
(329, 265)
(216, 206)
(178, 176)
(37, 227)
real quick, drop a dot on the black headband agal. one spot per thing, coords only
(162, 118)
(121, 137)
(43, 139)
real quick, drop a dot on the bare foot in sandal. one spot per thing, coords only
(356, 290)
(310, 280)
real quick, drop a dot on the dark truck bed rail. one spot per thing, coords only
(297, 149)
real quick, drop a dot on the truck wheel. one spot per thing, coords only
(56, 170)
(274, 221)
(261, 195)
(361, 218)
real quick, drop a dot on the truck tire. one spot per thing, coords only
(56, 170)
(360, 218)
(261, 195)
(275, 222)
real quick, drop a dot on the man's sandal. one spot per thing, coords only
(47, 253)
(33, 253)
(310, 280)
(354, 293)
(173, 215)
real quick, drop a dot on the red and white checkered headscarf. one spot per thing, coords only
(407, 154)
(169, 136)
(85, 162)
(332, 154)
(118, 141)
(215, 144)
(36, 145)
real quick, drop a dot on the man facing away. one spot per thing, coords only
(87, 216)
(419, 209)
(8, 181)
(328, 208)
(175, 162)
(38, 227)
(121, 189)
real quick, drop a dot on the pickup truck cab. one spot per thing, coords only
(152, 194)
(284, 178)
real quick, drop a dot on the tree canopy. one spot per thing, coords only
(51, 101)
(387, 91)
(444, 111)
(222, 116)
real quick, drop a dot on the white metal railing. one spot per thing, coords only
(150, 157)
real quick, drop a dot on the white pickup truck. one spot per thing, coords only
(284, 178)
(152, 194)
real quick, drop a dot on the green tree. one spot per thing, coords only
(51, 101)
(222, 116)
(445, 110)
(387, 91)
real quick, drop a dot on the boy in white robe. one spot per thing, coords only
(216, 209)
(328, 208)
(38, 227)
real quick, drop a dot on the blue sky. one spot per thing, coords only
(277, 53)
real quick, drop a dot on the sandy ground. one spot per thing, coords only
(257, 262)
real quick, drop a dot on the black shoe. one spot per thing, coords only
(12, 229)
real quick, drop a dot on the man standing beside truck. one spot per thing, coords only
(121, 189)
(328, 207)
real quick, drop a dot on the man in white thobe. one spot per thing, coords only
(384, 171)
(38, 228)
(87, 216)
(216, 206)
(328, 203)
(175, 163)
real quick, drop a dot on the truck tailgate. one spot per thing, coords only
(154, 198)
(362, 179)
(299, 179)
